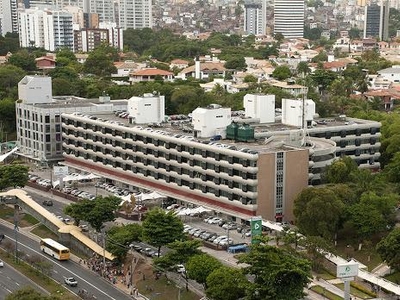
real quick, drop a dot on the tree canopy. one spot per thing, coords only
(161, 228)
(120, 237)
(200, 266)
(389, 249)
(318, 212)
(226, 283)
(13, 175)
(277, 274)
(96, 212)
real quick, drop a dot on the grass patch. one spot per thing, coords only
(354, 291)
(367, 255)
(394, 277)
(48, 284)
(7, 213)
(327, 294)
(325, 274)
(164, 289)
(28, 220)
(43, 232)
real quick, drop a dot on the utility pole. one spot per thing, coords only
(16, 229)
(104, 251)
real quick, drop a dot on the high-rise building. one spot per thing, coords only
(104, 8)
(376, 21)
(8, 16)
(135, 14)
(255, 18)
(289, 18)
(46, 29)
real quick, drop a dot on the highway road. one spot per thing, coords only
(87, 280)
(12, 280)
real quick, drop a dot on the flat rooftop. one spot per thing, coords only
(179, 126)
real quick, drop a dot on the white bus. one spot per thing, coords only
(54, 249)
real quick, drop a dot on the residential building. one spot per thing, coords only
(105, 9)
(9, 16)
(115, 34)
(203, 70)
(135, 14)
(255, 17)
(87, 39)
(150, 74)
(376, 21)
(392, 74)
(48, 29)
(289, 18)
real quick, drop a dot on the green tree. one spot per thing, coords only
(103, 211)
(389, 249)
(320, 57)
(180, 252)
(200, 266)
(316, 247)
(119, 237)
(354, 33)
(303, 68)
(13, 176)
(282, 72)
(278, 274)
(10, 75)
(7, 116)
(318, 212)
(373, 214)
(236, 63)
(161, 228)
(100, 62)
(226, 284)
(323, 78)
(24, 60)
(340, 171)
(95, 212)
(79, 210)
(250, 78)
(28, 293)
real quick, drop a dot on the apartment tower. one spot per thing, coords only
(289, 18)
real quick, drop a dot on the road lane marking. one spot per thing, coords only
(62, 267)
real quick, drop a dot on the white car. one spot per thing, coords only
(180, 269)
(1, 264)
(220, 238)
(225, 242)
(71, 281)
(214, 220)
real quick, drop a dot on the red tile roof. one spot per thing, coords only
(151, 72)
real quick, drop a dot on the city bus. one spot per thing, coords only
(54, 249)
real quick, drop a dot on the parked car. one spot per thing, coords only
(225, 242)
(71, 281)
(198, 233)
(214, 220)
(1, 264)
(220, 238)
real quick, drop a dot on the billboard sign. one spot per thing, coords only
(256, 229)
(347, 270)
(60, 171)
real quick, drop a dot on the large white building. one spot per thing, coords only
(289, 18)
(46, 29)
(298, 112)
(211, 121)
(255, 17)
(260, 106)
(147, 109)
(135, 14)
(8, 16)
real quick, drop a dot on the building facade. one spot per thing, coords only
(255, 18)
(289, 18)
(9, 16)
(376, 20)
(46, 29)
(240, 183)
(135, 14)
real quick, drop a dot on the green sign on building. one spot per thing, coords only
(256, 229)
